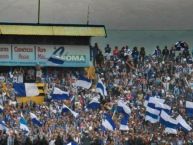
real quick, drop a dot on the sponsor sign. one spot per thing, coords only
(44, 55)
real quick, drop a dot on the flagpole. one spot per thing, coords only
(114, 113)
(88, 14)
(38, 11)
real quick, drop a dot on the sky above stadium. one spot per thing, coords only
(114, 14)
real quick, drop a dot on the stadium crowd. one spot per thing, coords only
(129, 75)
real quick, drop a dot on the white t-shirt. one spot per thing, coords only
(39, 74)
(20, 78)
(166, 86)
(2, 78)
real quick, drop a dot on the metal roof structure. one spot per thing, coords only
(52, 30)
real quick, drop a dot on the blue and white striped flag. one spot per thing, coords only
(170, 123)
(26, 89)
(146, 100)
(35, 120)
(58, 94)
(152, 114)
(67, 109)
(83, 82)
(123, 108)
(124, 123)
(153, 109)
(94, 104)
(189, 108)
(152, 100)
(101, 88)
(183, 124)
(108, 123)
(160, 106)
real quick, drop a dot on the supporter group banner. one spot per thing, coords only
(44, 55)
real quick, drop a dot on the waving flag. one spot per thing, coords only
(183, 124)
(123, 108)
(123, 124)
(146, 100)
(94, 104)
(3, 126)
(170, 123)
(189, 108)
(23, 124)
(26, 89)
(154, 107)
(58, 94)
(1, 108)
(35, 120)
(83, 82)
(101, 88)
(152, 101)
(152, 114)
(108, 123)
(67, 109)
(160, 106)
(38, 96)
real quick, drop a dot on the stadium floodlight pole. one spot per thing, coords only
(38, 11)
(88, 14)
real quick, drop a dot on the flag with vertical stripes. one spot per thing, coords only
(25, 89)
(123, 123)
(35, 92)
(108, 122)
(101, 88)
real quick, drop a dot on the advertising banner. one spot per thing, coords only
(44, 55)
(5, 53)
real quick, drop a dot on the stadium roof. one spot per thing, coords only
(52, 30)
